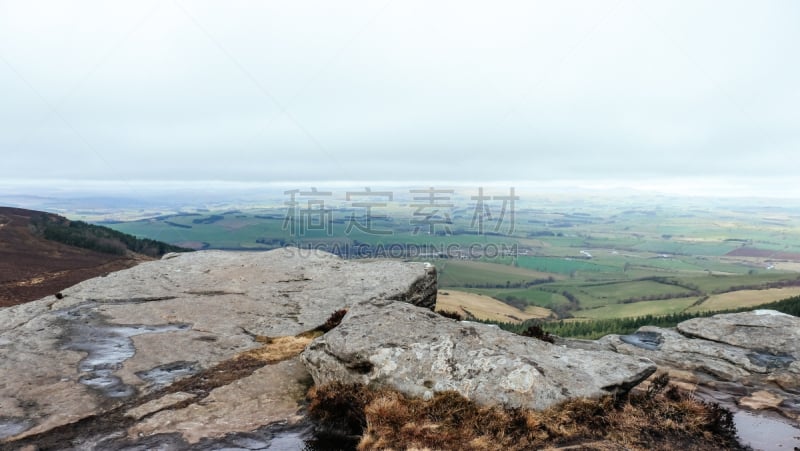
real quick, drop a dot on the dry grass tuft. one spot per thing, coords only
(278, 349)
(340, 407)
(658, 419)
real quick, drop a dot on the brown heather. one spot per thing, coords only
(661, 418)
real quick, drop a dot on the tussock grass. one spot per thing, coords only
(278, 349)
(661, 418)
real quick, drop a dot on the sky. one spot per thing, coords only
(669, 95)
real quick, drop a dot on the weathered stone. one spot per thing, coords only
(268, 395)
(723, 361)
(156, 405)
(760, 400)
(418, 353)
(114, 342)
(759, 330)
(730, 356)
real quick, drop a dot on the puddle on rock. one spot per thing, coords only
(764, 433)
(302, 437)
(275, 437)
(11, 426)
(645, 340)
(107, 347)
(166, 374)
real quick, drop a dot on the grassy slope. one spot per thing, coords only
(744, 299)
(485, 308)
(656, 308)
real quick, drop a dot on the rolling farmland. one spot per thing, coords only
(592, 261)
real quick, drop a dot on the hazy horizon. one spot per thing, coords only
(771, 191)
(684, 98)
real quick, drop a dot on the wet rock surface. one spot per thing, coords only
(273, 437)
(10, 426)
(201, 351)
(748, 362)
(645, 340)
(166, 374)
(178, 340)
(418, 353)
(727, 357)
(106, 347)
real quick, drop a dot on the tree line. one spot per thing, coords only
(761, 286)
(97, 238)
(594, 329)
(510, 284)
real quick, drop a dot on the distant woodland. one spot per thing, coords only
(97, 238)
(597, 328)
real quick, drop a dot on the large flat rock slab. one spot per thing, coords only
(119, 341)
(417, 352)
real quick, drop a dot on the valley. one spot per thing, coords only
(581, 258)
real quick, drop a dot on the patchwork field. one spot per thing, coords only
(576, 257)
(459, 273)
(656, 308)
(487, 308)
(745, 298)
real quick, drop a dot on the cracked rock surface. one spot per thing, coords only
(417, 352)
(747, 360)
(72, 368)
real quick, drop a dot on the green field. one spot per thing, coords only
(458, 273)
(585, 259)
(630, 290)
(563, 265)
(655, 308)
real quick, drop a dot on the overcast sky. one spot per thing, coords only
(287, 91)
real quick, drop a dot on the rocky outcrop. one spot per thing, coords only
(203, 351)
(764, 331)
(745, 360)
(184, 347)
(381, 343)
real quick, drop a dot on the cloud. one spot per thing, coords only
(454, 91)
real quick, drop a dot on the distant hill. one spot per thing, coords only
(43, 253)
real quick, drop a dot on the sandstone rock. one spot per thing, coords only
(158, 404)
(116, 344)
(417, 352)
(269, 395)
(759, 330)
(760, 400)
(734, 358)
(673, 350)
